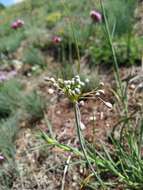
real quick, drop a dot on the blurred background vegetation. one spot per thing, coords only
(44, 19)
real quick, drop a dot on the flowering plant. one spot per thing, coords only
(96, 16)
(17, 24)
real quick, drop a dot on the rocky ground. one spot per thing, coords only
(42, 167)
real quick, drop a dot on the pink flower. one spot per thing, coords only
(96, 16)
(14, 25)
(1, 158)
(17, 24)
(56, 39)
(20, 23)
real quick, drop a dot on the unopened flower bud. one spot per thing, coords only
(97, 94)
(68, 86)
(50, 91)
(52, 79)
(108, 104)
(65, 82)
(82, 83)
(82, 126)
(77, 80)
(73, 92)
(60, 80)
(72, 82)
(101, 91)
(77, 90)
(77, 77)
(81, 103)
(101, 84)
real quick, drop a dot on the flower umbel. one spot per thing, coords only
(73, 89)
(20, 23)
(56, 39)
(14, 25)
(96, 16)
(17, 24)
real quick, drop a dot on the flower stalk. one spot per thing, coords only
(82, 143)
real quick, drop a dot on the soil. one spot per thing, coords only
(43, 166)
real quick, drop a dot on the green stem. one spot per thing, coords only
(81, 141)
(116, 66)
(119, 83)
(74, 36)
(89, 33)
(129, 45)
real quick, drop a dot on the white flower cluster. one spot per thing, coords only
(71, 88)
(74, 85)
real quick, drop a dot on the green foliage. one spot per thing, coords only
(100, 53)
(123, 163)
(14, 100)
(93, 81)
(66, 72)
(52, 19)
(126, 162)
(34, 106)
(33, 57)
(61, 17)
(15, 106)
(10, 43)
(8, 174)
(8, 131)
(91, 38)
(126, 53)
(39, 39)
(121, 18)
(10, 97)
